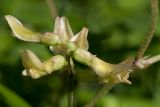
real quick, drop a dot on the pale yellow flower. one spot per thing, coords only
(35, 68)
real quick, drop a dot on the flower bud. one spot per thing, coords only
(106, 72)
(62, 28)
(35, 68)
(82, 56)
(100, 67)
(50, 39)
(20, 31)
(80, 39)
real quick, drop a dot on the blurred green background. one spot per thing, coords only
(116, 29)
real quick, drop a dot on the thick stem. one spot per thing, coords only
(153, 23)
(103, 91)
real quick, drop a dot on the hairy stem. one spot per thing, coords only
(71, 94)
(103, 91)
(52, 8)
(153, 23)
(72, 85)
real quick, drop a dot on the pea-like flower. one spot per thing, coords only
(106, 72)
(63, 42)
(35, 68)
(20, 31)
(57, 40)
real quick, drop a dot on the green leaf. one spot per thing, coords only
(11, 98)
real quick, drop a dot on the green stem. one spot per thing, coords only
(71, 94)
(103, 91)
(153, 23)
(72, 85)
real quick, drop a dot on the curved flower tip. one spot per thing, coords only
(33, 66)
(20, 31)
(80, 39)
(63, 29)
(36, 69)
(34, 73)
(30, 60)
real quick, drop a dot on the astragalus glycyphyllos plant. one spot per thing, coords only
(68, 46)
(65, 44)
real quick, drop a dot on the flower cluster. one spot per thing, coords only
(64, 43)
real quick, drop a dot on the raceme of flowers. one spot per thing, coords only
(64, 43)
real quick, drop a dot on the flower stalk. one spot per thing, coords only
(153, 25)
(103, 91)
